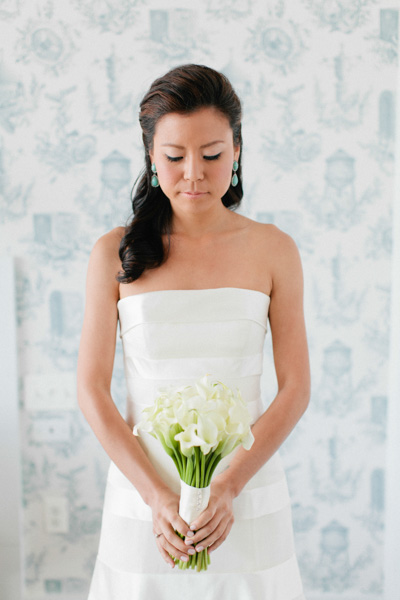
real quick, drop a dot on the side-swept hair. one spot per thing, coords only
(184, 89)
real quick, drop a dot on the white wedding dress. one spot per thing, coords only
(174, 337)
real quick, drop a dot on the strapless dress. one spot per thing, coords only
(174, 337)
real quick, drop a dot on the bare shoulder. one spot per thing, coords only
(105, 252)
(108, 244)
(274, 253)
(104, 262)
(269, 237)
(284, 261)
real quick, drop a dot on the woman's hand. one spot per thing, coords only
(215, 522)
(166, 521)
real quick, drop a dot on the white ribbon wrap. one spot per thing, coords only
(193, 501)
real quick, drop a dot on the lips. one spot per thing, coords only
(190, 193)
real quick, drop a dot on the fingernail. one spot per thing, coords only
(188, 542)
(184, 558)
(191, 551)
(199, 548)
(190, 534)
(192, 527)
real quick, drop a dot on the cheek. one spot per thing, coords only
(223, 172)
(167, 175)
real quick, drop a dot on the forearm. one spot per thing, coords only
(270, 431)
(117, 439)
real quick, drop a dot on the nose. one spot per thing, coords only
(193, 169)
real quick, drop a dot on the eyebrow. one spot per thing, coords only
(203, 146)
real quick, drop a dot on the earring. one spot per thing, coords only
(154, 179)
(235, 178)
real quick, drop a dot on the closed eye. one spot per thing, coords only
(177, 158)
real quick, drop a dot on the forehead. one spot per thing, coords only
(202, 124)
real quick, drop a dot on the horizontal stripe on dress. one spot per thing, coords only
(280, 582)
(193, 368)
(185, 306)
(249, 504)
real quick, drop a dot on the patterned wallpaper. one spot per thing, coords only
(318, 84)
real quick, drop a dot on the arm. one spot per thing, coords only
(95, 365)
(293, 375)
(291, 366)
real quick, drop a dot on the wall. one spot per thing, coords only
(318, 84)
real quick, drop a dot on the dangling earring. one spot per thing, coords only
(154, 179)
(235, 178)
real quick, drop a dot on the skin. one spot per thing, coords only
(211, 247)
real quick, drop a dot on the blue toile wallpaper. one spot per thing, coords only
(318, 83)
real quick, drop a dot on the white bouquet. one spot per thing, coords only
(197, 425)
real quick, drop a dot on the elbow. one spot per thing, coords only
(298, 393)
(305, 397)
(83, 397)
(304, 389)
(86, 395)
(93, 398)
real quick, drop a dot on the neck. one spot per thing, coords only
(202, 224)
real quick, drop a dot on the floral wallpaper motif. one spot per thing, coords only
(318, 84)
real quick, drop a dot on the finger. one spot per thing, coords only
(218, 542)
(170, 561)
(181, 526)
(176, 524)
(202, 520)
(205, 531)
(217, 536)
(172, 550)
(174, 539)
(168, 530)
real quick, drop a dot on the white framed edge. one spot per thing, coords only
(392, 481)
(11, 538)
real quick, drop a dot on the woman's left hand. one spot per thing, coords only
(215, 522)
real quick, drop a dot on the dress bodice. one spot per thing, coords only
(173, 337)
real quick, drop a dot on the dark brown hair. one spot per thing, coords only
(184, 89)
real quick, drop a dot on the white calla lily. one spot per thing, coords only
(188, 439)
(198, 425)
(208, 431)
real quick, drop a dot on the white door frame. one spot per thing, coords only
(10, 459)
(392, 488)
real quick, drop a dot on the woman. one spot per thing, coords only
(193, 284)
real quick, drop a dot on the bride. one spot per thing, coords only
(194, 286)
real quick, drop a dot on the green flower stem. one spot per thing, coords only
(197, 451)
(198, 561)
(171, 453)
(189, 471)
(196, 470)
(180, 460)
(211, 466)
(195, 473)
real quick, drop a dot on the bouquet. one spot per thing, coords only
(197, 425)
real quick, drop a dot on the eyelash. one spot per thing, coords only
(177, 158)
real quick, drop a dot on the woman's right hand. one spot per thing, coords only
(166, 521)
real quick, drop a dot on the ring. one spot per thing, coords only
(157, 535)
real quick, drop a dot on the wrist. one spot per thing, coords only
(153, 495)
(229, 483)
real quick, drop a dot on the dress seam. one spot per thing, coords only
(194, 573)
(152, 322)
